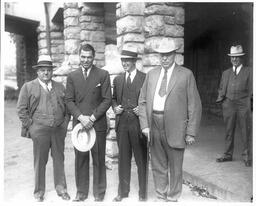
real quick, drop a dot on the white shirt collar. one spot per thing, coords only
(238, 68)
(88, 70)
(133, 74)
(47, 87)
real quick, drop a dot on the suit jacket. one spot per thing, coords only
(29, 99)
(247, 76)
(92, 96)
(118, 85)
(182, 110)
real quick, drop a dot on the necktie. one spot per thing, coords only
(162, 90)
(235, 70)
(85, 74)
(47, 88)
(128, 81)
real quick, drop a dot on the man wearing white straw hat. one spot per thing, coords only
(170, 113)
(88, 97)
(42, 111)
(235, 93)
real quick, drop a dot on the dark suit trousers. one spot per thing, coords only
(237, 111)
(82, 163)
(166, 162)
(46, 138)
(129, 140)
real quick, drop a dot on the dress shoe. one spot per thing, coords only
(142, 199)
(119, 198)
(65, 196)
(98, 199)
(248, 163)
(79, 198)
(224, 159)
(39, 198)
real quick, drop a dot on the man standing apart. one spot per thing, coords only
(42, 112)
(235, 93)
(129, 137)
(88, 97)
(170, 113)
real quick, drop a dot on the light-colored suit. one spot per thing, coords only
(181, 117)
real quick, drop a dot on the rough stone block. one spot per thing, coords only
(42, 35)
(94, 9)
(58, 49)
(111, 149)
(71, 46)
(110, 111)
(92, 26)
(160, 10)
(99, 56)
(57, 41)
(56, 35)
(112, 124)
(180, 15)
(98, 46)
(133, 37)
(71, 21)
(131, 8)
(151, 59)
(146, 69)
(169, 19)
(179, 59)
(43, 51)
(129, 24)
(70, 12)
(85, 18)
(42, 43)
(111, 134)
(139, 46)
(57, 57)
(70, 5)
(41, 28)
(154, 26)
(73, 59)
(72, 33)
(56, 27)
(174, 30)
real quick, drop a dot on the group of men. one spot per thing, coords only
(162, 108)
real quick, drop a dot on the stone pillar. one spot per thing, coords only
(130, 18)
(162, 20)
(92, 29)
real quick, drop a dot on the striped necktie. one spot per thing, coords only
(162, 90)
(128, 81)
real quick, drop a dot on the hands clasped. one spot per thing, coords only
(86, 121)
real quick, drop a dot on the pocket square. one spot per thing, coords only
(98, 85)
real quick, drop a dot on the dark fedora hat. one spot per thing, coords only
(44, 61)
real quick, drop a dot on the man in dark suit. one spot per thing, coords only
(88, 97)
(129, 137)
(235, 93)
(170, 113)
(42, 112)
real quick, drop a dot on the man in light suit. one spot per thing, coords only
(170, 113)
(88, 97)
(129, 137)
(235, 93)
(42, 111)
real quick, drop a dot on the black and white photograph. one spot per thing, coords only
(130, 102)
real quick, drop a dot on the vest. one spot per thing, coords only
(237, 86)
(129, 98)
(48, 112)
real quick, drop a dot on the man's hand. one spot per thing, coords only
(189, 139)
(136, 110)
(118, 109)
(146, 131)
(85, 121)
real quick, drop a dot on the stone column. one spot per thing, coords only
(92, 29)
(130, 18)
(162, 20)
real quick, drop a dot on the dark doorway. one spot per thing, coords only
(210, 30)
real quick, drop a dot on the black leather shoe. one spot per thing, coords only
(248, 163)
(40, 198)
(79, 198)
(119, 198)
(224, 159)
(98, 199)
(142, 199)
(65, 196)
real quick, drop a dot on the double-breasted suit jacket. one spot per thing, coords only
(182, 110)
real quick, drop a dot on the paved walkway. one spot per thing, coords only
(227, 181)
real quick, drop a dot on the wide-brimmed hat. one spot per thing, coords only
(83, 139)
(236, 51)
(44, 61)
(166, 45)
(129, 53)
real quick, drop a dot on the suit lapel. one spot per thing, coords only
(173, 79)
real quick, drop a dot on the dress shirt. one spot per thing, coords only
(133, 74)
(47, 87)
(237, 69)
(158, 104)
(88, 71)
